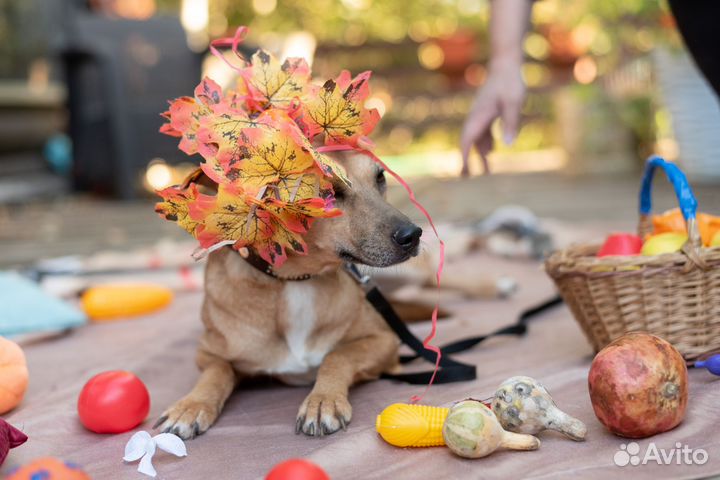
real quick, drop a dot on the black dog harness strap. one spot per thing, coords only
(450, 370)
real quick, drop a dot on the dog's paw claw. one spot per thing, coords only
(160, 421)
(187, 419)
(323, 414)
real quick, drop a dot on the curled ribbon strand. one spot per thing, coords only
(234, 43)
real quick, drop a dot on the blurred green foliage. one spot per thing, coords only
(22, 37)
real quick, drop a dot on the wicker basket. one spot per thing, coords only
(674, 295)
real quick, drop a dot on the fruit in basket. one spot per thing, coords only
(639, 386)
(620, 244)
(715, 242)
(668, 242)
(471, 430)
(523, 405)
(673, 221)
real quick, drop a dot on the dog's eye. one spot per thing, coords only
(339, 194)
(380, 179)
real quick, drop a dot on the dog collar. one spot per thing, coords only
(258, 263)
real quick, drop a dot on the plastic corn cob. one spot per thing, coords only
(406, 425)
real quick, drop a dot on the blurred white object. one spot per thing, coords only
(695, 112)
(194, 17)
(515, 214)
(300, 44)
(167, 263)
(142, 446)
(514, 231)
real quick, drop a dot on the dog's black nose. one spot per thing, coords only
(407, 236)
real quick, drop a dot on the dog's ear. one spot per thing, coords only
(204, 183)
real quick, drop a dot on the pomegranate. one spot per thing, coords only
(639, 386)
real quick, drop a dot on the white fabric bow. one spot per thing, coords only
(142, 446)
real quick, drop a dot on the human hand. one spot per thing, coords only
(501, 96)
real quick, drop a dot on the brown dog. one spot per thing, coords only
(319, 329)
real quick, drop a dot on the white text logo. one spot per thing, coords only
(629, 454)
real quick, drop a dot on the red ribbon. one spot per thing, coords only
(234, 43)
(441, 262)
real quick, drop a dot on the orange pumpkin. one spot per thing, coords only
(13, 375)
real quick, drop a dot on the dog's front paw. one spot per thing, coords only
(322, 414)
(187, 418)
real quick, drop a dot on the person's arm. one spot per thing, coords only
(503, 93)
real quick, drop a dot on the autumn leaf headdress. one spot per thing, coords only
(256, 143)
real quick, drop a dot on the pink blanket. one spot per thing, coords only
(256, 429)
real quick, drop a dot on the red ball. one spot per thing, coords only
(113, 402)
(297, 469)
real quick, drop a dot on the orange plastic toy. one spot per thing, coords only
(48, 468)
(13, 375)
(404, 425)
(673, 221)
(111, 302)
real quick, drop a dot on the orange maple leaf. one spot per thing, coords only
(176, 203)
(185, 114)
(336, 109)
(231, 214)
(270, 83)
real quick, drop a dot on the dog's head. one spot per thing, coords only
(370, 231)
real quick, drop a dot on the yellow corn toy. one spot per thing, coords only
(406, 425)
(110, 302)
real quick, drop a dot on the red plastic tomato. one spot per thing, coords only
(113, 402)
(297, 469)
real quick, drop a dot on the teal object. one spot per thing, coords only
(58, 153)
(25, 308)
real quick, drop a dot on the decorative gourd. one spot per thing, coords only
(110, 302)
(13, 375)
(471, 430)
(523, 405)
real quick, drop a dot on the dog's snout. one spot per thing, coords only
(407, 236)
